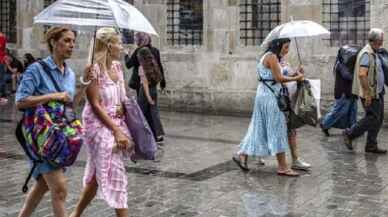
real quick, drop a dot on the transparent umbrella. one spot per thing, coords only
(90, 14)
(296, 29)
(95, 13)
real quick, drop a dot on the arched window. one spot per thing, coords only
(184, 22)
(257, 19)
(347, 20)
(8, 19)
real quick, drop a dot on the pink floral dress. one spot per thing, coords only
(103, 160)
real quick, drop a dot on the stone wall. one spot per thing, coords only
(219, 76)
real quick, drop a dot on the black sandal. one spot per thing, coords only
(242, 167)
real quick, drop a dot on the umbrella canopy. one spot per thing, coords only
(296, 29)
(93, 13)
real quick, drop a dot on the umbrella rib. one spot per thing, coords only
(88, 3)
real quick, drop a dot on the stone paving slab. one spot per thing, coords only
(193, 175)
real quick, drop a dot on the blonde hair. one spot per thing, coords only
(104, 37)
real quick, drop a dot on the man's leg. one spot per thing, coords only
(2, 81)
(334, 114)
(370, 119)
(371, 142)
(359, 128)
(338, 116)
(352, 115)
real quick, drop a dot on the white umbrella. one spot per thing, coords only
(93, 13)
(296, 29)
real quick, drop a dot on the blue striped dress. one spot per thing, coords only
(267, 132)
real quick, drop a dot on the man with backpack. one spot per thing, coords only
(343, 112)
(368, 84)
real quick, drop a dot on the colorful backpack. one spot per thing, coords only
(47, 133)
(50, 136)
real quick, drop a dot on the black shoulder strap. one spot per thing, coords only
(269, 87)
(47, 70)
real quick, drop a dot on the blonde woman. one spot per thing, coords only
(106, 136)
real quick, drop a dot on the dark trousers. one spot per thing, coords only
(4, 79)
(371, 122)
(342, 115)
(151, 112)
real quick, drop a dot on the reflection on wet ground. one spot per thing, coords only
(193, 175)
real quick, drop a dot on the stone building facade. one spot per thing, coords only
(210, 47)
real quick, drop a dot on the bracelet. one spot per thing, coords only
(81, 79)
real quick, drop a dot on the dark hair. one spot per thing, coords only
(55, 33)
(275, 46)
(30, 59)
(150, 66)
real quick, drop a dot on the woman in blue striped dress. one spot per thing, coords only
(267, 132)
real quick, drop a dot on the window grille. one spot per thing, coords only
(347, 20)
(8, 19)
(257, 19)
(184, 22)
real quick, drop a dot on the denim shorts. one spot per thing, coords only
(42, 168)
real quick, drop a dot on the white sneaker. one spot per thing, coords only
(261, 161)
(300, 165)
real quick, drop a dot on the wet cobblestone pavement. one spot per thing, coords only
(194, 176)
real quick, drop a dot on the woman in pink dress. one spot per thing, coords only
(107, 137)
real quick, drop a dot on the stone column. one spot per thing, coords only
(30, 36)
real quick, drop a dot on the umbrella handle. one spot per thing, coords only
(297, 50)
(94, 45)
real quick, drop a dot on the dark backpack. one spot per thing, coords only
(383, 55)
(347, 55)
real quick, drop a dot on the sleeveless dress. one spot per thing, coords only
(103, 161)
(267, 131)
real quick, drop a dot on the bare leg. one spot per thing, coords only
(244, 158)
(282, 162)
(56, 182)
(283, 167)
(297, 163)
(293, 146)
(87, 196)
(122, 212)
(34, 197)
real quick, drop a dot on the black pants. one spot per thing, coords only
(371, 122)
(151, 112)
(4, 79)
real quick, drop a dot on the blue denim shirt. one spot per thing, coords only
(35, 81)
